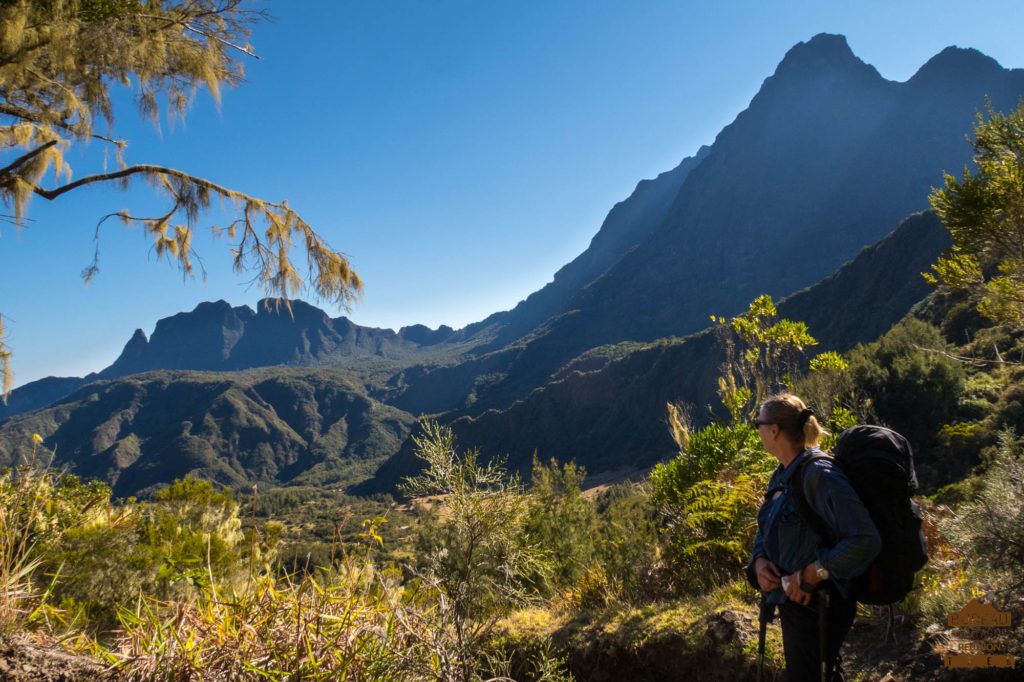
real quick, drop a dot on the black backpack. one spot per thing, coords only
(880, 465)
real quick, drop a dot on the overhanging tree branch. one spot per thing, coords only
(21, 160)
(136, 169)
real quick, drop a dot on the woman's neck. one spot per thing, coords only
(787, 455)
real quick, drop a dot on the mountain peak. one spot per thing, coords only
(956, 63)
(825, 56)
(823, 49)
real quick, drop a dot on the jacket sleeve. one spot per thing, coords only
(857, 541)
(758, 551)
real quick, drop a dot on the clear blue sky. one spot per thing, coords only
(459, 152)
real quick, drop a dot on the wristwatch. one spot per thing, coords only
(821, 571)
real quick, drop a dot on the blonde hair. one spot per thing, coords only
(796, 421)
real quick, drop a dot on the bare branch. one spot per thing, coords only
(980, 362)
(244, 49)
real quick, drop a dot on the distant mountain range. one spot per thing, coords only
(826, 160)
(218, 337)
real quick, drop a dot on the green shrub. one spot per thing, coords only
(627, 543)
(479, 563)
(708, 496)
(990, 528)
(38, 509)
(560, 520)
(914, 387)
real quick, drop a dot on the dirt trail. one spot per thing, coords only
(25, 658)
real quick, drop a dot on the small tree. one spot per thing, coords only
(560, 520)
(709, 493)
(480, 563)
(58, 60)
(984, 213)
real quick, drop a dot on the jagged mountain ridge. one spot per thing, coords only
(792, 188)
(217, 336)
(826, 151)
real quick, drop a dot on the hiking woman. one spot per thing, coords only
(806, 575)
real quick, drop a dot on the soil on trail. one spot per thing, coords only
(25, 658)
(876, 651)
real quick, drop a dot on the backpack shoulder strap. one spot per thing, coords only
(799, 497)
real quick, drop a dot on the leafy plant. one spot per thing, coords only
(708, 495)
(990, 528)
(763, 355)
(561, 520)
(984, 213)
(481, 562)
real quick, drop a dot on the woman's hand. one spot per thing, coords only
(768, 575)
(792, 584)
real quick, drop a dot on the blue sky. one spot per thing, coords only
(459, 152)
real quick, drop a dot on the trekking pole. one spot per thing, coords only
(762, 635)
(823, 632)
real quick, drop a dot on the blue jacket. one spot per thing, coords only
(788, 540)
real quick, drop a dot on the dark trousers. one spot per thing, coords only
(800, 638)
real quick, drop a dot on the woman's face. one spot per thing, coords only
(768, 432)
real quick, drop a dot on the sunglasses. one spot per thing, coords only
(757, 423)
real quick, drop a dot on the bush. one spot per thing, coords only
(708, 496)
(626, 551)
(561, 521)
(990, 528)
(480, 563)
(913, 384)
(38, 509)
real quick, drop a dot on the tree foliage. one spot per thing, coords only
(763, 355)
(59, 60)
(561, 520)
(914, 386)
(481, 563)
(984, 213)
(990, 528)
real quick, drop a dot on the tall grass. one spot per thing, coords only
(334, 626)
(28, 525)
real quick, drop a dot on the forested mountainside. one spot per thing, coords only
(606, 412)
(825, 160)
(236, 428)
